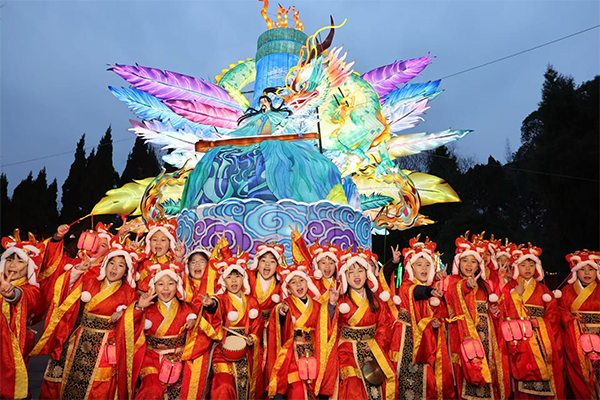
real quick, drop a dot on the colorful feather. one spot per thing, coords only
(149, 107)
(411, 90)
(404, 115)
(374, 200)
(405, 145)
(387, 78)
(204, 114)
(164, 135)
(173, 86)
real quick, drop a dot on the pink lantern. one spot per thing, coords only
(516, 329)
(307, 368)
(590, 344)
(170, 370)
(110, 353)
(88, 241)
(471, 349)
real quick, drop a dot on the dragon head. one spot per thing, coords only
(316, 74)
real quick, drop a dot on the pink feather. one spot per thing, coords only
(173, 86)
(204, 114)
(387, 78)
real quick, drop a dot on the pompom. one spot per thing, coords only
(547, 298)
(318, 274)
(396, 299)
(137, 276)
(557, 294)
(86, 296)
(147, 324)
(512, 290)
(191, 316)
(232, 316)
(344, 308)
(253, 313)
(276, 298)
(384, 296)
(434, 301)
(493, 298)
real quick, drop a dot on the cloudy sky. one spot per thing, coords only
(54, 57)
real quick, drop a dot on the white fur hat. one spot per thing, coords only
(173, 275)
(361, 258)
(131, 259)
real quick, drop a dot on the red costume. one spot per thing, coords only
(318, 253)
(151, 263)
(418, 350)
(80, 367)
(536, 364)
(363, 338)
(15, 340)
(473, 326)
(580, 311)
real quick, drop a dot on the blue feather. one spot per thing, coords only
(412, 90)
(148, 107)
(374, 200)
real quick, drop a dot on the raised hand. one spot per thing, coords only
(283, 309)
(145, 300)
(437, 292)
(440, 276)
(472, 281)
(6, 287)
(334, 294)
(520, 287)
(207, 301)
(61, 231)
(85, 264)
(396, 254)
(179, 251)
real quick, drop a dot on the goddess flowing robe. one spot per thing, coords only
(536, 365)
(16, 341)
(580, 313)
(420, 352)
(486, 378)
(364, 335)
(77, 334)
(306, 331)
(240, 379)
(146, 349)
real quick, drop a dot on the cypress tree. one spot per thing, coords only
(141, 163)
(72, 189)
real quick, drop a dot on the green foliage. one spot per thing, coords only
(141, 163)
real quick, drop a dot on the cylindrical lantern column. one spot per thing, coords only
(277, 52)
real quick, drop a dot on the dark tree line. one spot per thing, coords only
(548, 192)
(33, 205)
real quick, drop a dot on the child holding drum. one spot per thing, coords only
(301, 363)
(236, 361)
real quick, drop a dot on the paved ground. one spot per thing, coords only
(37, 366)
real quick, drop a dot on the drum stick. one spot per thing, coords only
(234, 333)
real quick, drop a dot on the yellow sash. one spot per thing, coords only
(417, 328)
(263, 296)
(168, 316)
(363, 305)
(240, 307)
(105, 292)
(582, 295)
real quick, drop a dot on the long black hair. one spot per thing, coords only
(250, 111)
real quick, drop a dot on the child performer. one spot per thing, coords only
(480, 366)
(364, 333)
(418, 349)
(489, 260)
(579, 302)
(20, 297)
(536, 363)
(301, 334)
(325, 261)
(199, 280)
(236, 362)
(80, 332)
(162, 251)
(152, 337)
(264, 284)
(505, 271)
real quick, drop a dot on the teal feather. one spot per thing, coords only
(374, 200)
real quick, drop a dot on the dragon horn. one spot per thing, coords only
(32, 239)
(321, 47)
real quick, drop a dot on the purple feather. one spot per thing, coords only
(173, 86)
(387, 78)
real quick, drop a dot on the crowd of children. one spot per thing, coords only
(145, 320)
